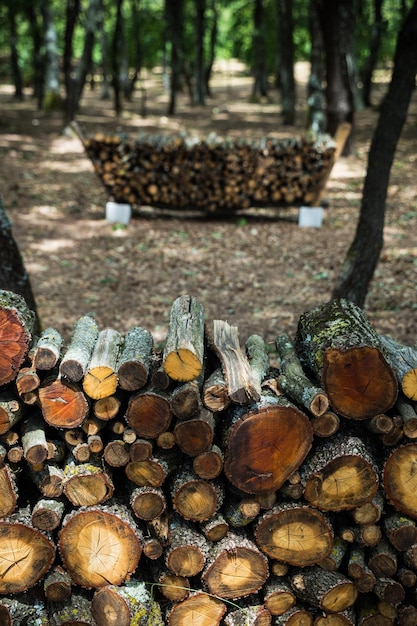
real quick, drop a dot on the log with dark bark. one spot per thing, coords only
(329, 591)
(48, 349)
(338, 344)
(276, 427)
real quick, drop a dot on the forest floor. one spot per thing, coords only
(259, 270)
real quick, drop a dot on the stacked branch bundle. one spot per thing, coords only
(204, 483)
(211, 175)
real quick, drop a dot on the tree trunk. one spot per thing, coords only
(174, 18)
(315, 89)
(286, 44)
(260, 83)
(363, 254)
(339, 97)
(200, 84)
(378, 28)
(14, 56)
(14, 277)
(51, 94)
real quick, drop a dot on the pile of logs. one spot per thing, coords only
(205, 483)
(214, 175)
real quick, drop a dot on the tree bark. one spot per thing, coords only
(362, 257)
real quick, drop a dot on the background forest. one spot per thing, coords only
(238, 68)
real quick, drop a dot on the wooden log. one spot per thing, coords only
(107, 408)
(215, 528)
(135, 359)
(63, 404)
(49, 480)
(27, 380)
(184, 346)
(240, 512)
(404, 363)
(325, 425)
(57, 585)
(147, 503)
(11, 411)
(278, 595)
(408, 415)
(116, 452)
(8, 491)
(188, 549)
(194, 498)
(333, 560)
(173, 588)
(48, 349)
(100, 546)
(369, 512)
(253, 615)
(345, 618)
(145, 403)
(152, 472)
(294, 382)
(87, 484)
(277, 427)
(383, 559)
(340, 474)
(74, 363)
(235, 568)
(258, 360)
(47, 514)
(26, 554)
(399, 479)
(359, 571)
(186, 400)
(329, 591)
(195, 436)
(127, 604)
(214, 393)
(391, 591)
(35, 447)
(100, 379)
(16, 330)
(140, 450)
(76, 611)
(401, 530)
(209, 464)
(295, 616)
(294, 533)
(199, 609)
(338, 344)
(236, 367)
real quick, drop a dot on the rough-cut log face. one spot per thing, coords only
(25, 557)
(275, 443)
(296, 535)
(342, 484)
(99, 548)
(197, 610)
(400, 479)
(63, 404)
(149, 414)
(14, 345)
(196, 500)
(8, 493)
(359, 382)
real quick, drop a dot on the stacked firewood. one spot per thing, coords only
(205, 483)
(213, 174)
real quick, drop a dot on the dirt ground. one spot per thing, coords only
(259, 271)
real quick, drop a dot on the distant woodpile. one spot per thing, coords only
(201, 484)
(213, 175)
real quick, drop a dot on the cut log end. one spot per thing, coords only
(182, 365)
(359, 382)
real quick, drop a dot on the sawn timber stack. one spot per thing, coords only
(200, 485)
